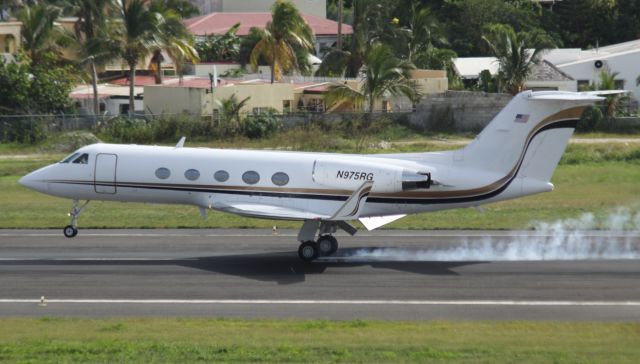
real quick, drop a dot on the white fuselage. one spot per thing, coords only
(317, 182)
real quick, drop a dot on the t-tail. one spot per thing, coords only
(528, 137)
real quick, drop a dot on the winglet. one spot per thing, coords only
(181, 142)
(351, 209)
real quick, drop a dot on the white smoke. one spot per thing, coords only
(588, 237)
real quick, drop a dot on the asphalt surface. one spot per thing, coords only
(406, 275)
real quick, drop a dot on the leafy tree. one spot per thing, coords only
(383, 74)
(247, 44)
(466, 18)
(369, 25)
(40, 35)
(92, 16)
(138, 30)
(587, 23)
(516, 52)
(284, 34)
(230, 113)
(174, 38)
(220, 47)
(32, 88)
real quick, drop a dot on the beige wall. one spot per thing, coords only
(172, 100)
(10, 36)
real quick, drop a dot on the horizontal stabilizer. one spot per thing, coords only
(376, 221)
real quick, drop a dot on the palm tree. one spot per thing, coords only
(40, 34)
(284, 34)
(230, 112)
(175, 40)
(516, 52)
(608, 82)
(383, 74)
(92, 16)
(366, 31)
(136, 32)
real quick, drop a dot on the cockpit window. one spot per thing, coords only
(83, 159)
(69, 158)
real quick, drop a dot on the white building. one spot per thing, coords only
(544, 76)
(112, 99)
(586, 65)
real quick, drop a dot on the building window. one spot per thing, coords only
(260, 110)
(315, 105)
(163, 173)
(619, 84)
(221, 176)
(103, 107)
(124, 109)
(191, 174)
(251, 177)
(583, 85)
(286, 106)
(280, 179)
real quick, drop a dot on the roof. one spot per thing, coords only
(219, 23)
(104, 91)
(546, 71)
(470, 67)
(565, 56)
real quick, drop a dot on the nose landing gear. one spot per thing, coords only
(71, 230)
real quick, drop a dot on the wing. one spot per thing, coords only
(270, 211)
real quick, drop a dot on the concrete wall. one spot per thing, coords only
(458, 110)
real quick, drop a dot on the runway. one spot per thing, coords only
(405, 275)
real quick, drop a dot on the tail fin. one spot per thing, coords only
(529, 135)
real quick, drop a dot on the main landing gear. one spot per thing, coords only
(71, 230)
(326, 244)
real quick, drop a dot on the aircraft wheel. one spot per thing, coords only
(327, 245)
(308, 251)
(70, 231)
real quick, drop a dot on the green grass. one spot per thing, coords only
(164, 340)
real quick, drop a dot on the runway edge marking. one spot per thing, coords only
(335, 302)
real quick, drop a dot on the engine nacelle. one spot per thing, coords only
(386, 178)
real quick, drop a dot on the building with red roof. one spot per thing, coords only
(325, 30)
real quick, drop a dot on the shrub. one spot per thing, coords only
(261, 125)
(24, 131)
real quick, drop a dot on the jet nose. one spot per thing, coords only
(32, 181)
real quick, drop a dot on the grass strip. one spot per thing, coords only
(190, 340)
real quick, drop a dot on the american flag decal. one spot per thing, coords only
(521, 118)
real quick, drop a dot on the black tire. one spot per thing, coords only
(327, 245)
(70, 231)
(308, 251)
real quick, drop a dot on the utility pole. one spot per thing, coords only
(340, 5)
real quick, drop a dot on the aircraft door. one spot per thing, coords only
(105, 173)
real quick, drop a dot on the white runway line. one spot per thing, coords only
(334, 302)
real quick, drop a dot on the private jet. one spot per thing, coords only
(514, 156)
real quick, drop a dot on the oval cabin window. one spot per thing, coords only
(280, 179)
(221, 176)
(191, 174)
(163, 173)
(251, 177)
